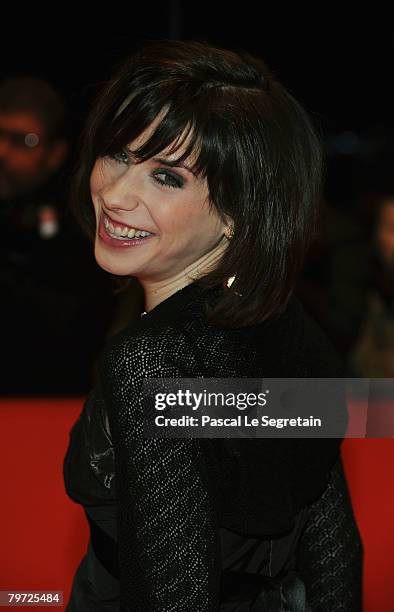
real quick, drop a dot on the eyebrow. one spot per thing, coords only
(173, 164)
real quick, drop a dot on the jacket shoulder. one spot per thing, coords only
(164, 350)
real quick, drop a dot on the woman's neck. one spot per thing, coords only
(157, 291)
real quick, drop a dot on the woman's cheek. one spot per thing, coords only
(98, 176)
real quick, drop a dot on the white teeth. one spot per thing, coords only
(119, 231)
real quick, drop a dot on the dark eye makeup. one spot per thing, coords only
(120, 157)
(171, 179)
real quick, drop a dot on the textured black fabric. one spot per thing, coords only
(174, 496)
(330, 553)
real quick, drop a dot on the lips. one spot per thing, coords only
(118, 242)
(122, 224)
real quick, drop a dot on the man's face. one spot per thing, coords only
(24, 153)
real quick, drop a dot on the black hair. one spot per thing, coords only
(256, 146)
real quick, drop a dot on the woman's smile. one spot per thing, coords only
(119, 235)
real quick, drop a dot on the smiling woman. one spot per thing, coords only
(166, 202)
(256, 161)
(200, 177)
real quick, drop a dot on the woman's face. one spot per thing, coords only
(168, 202)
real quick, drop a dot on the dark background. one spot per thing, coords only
(338, 64)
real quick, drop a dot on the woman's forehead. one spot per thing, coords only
(174, 150)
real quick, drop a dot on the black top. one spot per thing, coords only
(184, 509)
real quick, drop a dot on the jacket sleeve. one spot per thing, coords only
(330, 551)
(169, 555)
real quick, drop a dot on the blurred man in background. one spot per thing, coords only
(373, 353)
(33, 142)
(56, 303)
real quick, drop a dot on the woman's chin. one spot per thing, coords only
(113, 267)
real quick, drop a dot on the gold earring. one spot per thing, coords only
(230, 234)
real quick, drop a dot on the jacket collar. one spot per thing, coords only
(191, 296)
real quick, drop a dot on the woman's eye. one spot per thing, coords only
(164, 178)
(121, 157)
(168, 179)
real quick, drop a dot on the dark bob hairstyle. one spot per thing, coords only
(257, 149)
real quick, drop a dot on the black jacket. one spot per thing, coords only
(174, 496)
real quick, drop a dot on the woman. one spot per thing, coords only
(200, 177)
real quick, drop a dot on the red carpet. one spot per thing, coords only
(44, 534)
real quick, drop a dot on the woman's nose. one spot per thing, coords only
(121, 193)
